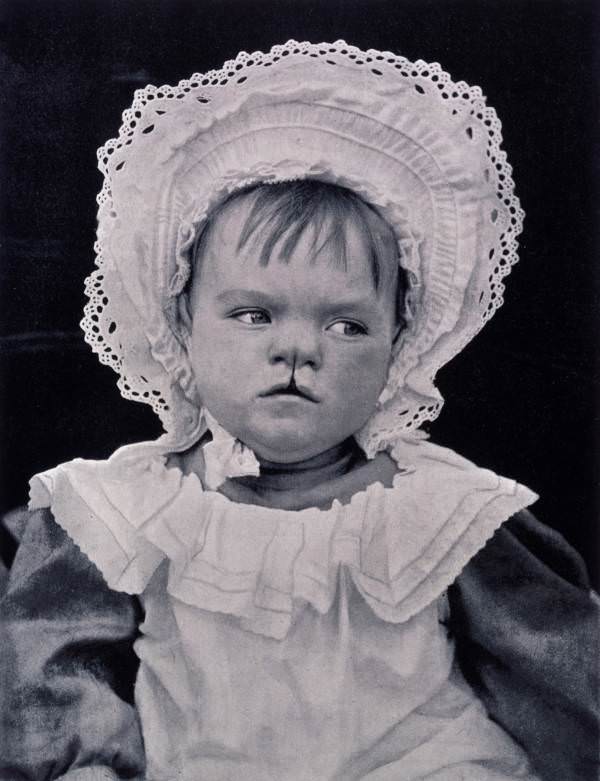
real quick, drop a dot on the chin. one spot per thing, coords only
(285, 454)
(283, 448)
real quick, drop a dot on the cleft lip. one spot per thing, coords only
(290, 389)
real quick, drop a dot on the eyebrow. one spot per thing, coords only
(350, 305)
(234, 295)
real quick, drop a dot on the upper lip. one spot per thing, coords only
(291, 387)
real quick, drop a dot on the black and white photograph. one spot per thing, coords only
(300, 443)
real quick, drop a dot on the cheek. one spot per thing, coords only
(356, 381)
(363, 372)
(214, 357)
(227, 368)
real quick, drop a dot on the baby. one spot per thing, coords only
(292, 583)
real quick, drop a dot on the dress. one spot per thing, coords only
(307, 644)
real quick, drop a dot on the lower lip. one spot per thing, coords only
(288, 398)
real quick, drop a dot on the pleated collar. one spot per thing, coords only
(402, 544)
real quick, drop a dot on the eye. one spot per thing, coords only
(252, 317)
(347, 328)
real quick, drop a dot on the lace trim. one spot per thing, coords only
(403, 546)
(423, 148)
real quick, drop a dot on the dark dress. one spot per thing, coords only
(525, 626)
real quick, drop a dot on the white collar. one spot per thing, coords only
(402, 546)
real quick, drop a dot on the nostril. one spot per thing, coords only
(278, 359)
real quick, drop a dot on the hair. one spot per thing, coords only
(282, 212)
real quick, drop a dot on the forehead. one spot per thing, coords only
(222, 257)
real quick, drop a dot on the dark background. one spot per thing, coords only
(522, 399)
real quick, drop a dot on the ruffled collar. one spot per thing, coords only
(402, 545)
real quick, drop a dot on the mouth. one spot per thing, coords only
(290, 389)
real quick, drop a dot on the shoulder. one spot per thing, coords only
(454, 505)
(135, 466)
(523, 548)
(50, 577)
(29, 538)
(103, 506)
(518, 542)
(420, 535)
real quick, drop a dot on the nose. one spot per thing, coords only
(296, 345)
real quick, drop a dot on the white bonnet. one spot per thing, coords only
(423, 149)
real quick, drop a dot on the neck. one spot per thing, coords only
(300, 475)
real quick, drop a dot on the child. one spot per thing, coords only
(292, 583)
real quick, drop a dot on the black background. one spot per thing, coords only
(521, 399)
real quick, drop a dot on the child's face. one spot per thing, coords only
(255, 327)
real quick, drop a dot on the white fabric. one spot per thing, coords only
(423, 149)
(343, 696)
(225, 456)
(402, 545)
(295, 645)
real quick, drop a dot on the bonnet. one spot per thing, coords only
(425, 151)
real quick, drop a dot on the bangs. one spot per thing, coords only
(283, 212)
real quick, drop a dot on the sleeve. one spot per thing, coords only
(67, 667)
(527, 632)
